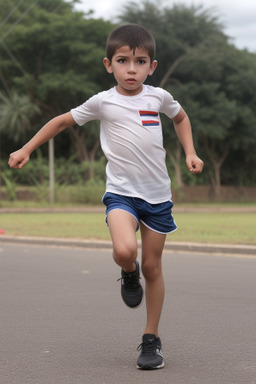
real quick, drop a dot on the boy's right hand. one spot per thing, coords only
(19, 159)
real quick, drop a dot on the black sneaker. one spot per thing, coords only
(151, 356)
(131, 289)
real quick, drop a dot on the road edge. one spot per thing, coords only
(171, 246)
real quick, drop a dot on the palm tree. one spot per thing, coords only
(16, 114)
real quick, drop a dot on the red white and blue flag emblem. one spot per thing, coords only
(149, 118)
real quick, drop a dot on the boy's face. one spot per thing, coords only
(130, 69)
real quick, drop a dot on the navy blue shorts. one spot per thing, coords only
(157, 217)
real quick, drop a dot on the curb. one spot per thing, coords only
(237, 249)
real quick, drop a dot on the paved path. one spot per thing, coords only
(63, 321)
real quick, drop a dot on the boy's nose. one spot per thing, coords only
(132, 68)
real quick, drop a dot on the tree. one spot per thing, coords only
(213, 80)
(16, 115)
(87, 143)
(53, 54)
(214, 125)
(179, 32)
(221, 101)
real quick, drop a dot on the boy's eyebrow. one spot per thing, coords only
(138, 57)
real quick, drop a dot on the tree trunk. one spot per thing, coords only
(178, 174)
(92, 155)
(217, 162)
(176, 162)
(216, 179)
(79, 144)
(83, 153)
(170, 71)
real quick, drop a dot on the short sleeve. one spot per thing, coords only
(170, 107)
(87, 111)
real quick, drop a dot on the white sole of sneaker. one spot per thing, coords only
(149, 368)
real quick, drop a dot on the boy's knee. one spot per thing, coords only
(124, 253)
(151, 270)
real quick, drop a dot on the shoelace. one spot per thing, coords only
(148, 347)
(130, 281)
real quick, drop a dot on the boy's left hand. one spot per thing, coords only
(194, 164)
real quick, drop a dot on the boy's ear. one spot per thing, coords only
(152, 67)
(108, 65)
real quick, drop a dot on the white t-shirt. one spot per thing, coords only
(132, 141)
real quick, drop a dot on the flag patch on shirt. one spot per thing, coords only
(149, 118)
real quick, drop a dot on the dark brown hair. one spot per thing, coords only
(133, 35)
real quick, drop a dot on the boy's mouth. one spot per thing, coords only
(131, 81)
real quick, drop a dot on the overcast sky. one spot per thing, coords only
(237, 16)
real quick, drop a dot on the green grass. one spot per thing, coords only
(215, 227)
(66, 225)
(210, 227)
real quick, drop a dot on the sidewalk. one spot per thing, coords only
(231, 249)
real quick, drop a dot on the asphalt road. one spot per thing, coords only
(63, 321)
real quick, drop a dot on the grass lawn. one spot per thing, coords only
(213, 227)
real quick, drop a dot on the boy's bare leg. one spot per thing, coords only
(122, 226)
(152, 247)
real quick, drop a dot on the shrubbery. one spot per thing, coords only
(71, 181)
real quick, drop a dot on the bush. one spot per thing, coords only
(66, 171)
(10, 185)
(90, 193)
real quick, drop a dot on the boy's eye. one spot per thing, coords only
(141, 61)
(121, 61)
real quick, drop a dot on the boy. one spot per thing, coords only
(138, 192)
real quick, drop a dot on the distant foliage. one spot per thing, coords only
(51, 61)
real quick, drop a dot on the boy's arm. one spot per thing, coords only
(183, 130)
(20, 158)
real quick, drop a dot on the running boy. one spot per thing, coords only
(138, 192)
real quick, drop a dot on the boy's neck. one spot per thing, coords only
(128, 93)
